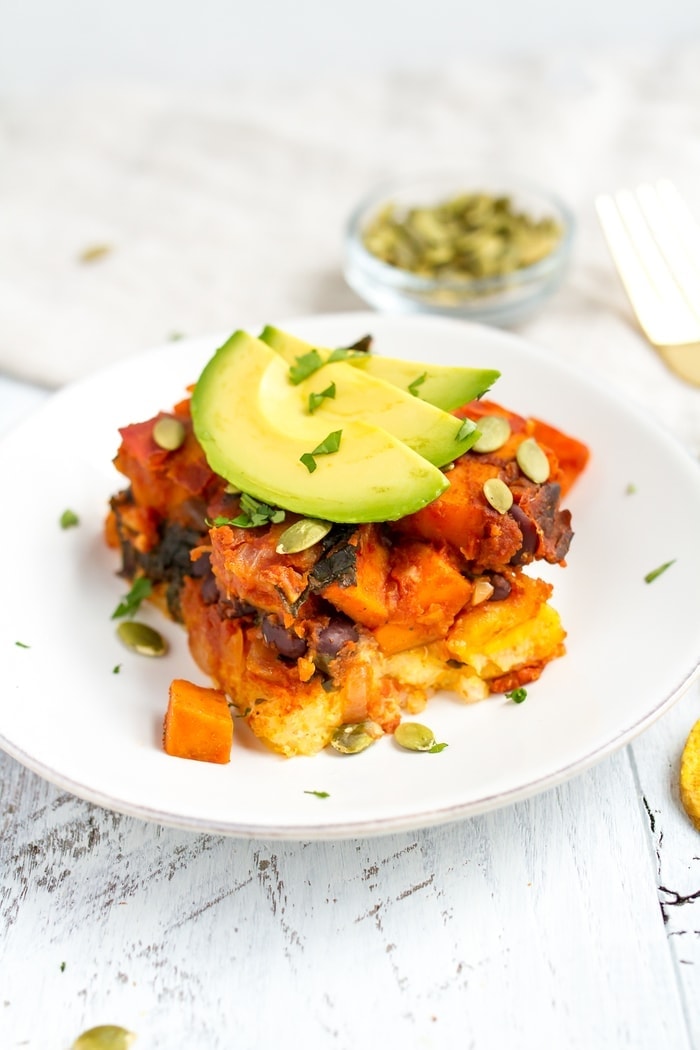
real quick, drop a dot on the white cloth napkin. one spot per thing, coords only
(226, 208)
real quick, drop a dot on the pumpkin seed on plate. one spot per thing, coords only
(168, 433)
(302, 535)
(142, 639)
(414, 737)
(104, 1037)
(494, 431)
(533, 461)
(354, 737)
(498, 495)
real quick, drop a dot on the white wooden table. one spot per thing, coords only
(571, 920)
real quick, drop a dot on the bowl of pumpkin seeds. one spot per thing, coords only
(488, 249)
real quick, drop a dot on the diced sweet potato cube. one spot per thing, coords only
(428, 593)
(366, 599)
(198, 723)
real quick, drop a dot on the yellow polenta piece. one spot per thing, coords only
(690, 775)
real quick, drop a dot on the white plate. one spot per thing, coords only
(633, 647)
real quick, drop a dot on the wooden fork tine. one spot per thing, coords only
(685, 223)
(641, 290)
(662, 308)
(678, 237)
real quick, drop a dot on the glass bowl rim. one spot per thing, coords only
(403, 280)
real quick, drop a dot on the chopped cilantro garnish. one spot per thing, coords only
(316, 399)
(253, 514)
(305, 366)
(116, 669)
(130, 603)
(318, 794)
(309, 462)
(436, 749)
(413, 387)
(517, 695)
(343, 353)
(465, 430)
(68, 519)
(62, 967)
(651, 576)
(330, 444)
(22, 645)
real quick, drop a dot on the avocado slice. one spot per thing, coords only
(254, 428)
(436, 435)
(445, 386)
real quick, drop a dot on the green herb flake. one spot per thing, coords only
(62, 967)
(467, 427)
(116, 669)
(328, 446)
(343, 353)
(651, 576)
(305, 366)
(517, 695)
(22, 645)
(436, 749)
(631, 489)
(317, 399)
(418, 382)
(130, 603)
(309, 462)
(68, 519)
(318, 794)
(253, 515)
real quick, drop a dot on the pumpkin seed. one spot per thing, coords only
(104, 1037)
(532, 461)
(302, 535)
(498, 495)
(142, 639)
(494, 431)
(93, 252)
(168, 433)
(414, 737)
(354, 737)
(472, 235)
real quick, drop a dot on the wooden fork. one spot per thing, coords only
(655, 244)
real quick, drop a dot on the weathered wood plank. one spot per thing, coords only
(676, 845)
(537, 925)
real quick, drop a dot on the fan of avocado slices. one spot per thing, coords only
(343, 435)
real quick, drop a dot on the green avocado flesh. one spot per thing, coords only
(254, 426)
(426, 429)
(445, 386)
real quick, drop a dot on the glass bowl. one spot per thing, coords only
(500, 298)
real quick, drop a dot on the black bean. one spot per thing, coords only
(284, 641)
(338, 633)
(201, 566)
(529, 533)
(501, 587)
(234, 608)
(209, 590)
